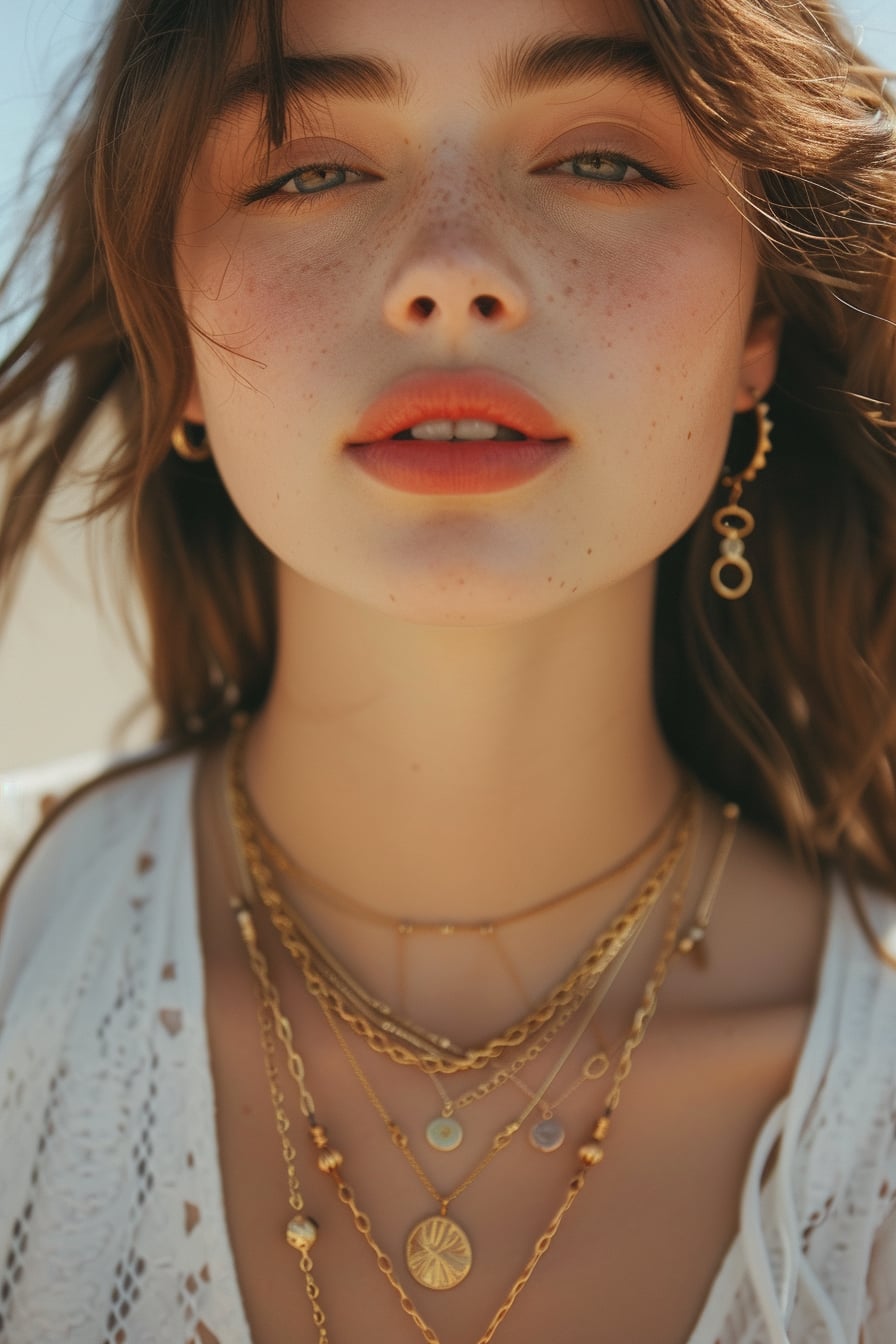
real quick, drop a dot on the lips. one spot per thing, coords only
(455, 395)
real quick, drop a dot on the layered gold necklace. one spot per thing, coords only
(438, 1252)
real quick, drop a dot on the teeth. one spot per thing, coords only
(462, 429)
(475, 429)
(433, 429)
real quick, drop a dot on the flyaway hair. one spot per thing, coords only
(784, 700)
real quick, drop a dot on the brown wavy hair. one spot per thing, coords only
(783, 700)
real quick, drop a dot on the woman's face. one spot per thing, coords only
(564, 232)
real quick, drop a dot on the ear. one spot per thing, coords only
(193, 408)
(760, 360)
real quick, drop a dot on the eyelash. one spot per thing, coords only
(647, 177)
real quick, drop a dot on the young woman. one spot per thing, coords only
(503, 941)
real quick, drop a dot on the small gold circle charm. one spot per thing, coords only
(438, 1253)
(738, 588)
(444, 1134)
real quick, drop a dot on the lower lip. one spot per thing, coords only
(455, 466)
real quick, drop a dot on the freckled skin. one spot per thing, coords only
(322, 306)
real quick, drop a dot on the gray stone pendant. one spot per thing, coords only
(547, 1136)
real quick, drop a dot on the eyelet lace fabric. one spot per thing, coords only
(112, 1226)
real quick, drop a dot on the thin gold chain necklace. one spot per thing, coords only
(336, 899)
(445, 1132)
(444, 1270)
(302, 1231)
(386, 1037)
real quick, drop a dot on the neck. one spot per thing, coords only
(452, 773)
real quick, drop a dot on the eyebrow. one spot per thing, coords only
(527, 68)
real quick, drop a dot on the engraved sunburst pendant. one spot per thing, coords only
(438, 1253)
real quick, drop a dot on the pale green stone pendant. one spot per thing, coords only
(444, 1134)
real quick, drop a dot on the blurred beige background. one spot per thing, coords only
(68, 674)
(71, 680)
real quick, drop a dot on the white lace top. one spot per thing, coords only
(112, 1226)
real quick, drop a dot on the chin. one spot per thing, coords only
(470, 599)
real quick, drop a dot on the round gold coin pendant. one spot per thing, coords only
(438, 1253)
(444, 1134)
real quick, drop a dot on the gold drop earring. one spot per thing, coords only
(733, 522)
(189, 442)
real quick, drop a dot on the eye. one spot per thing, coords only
(306, 181)
(601, 167)
(313, 178)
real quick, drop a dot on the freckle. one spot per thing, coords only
(550, 580)
(574, 590)
(568, 291)
(563, 584)
(574, 261)
(689, 436)
(589, 550)
(391, 597)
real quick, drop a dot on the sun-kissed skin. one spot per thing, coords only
(461, 721)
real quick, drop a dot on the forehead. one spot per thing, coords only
(400, 52)
(391, 22)
(501, 45)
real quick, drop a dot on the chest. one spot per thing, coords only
(633, 1257)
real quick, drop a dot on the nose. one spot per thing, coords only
(452, 292)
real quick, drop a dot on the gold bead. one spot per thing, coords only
(328, 1160)
(590, 1154)
(601, 1129)
(301, 1233)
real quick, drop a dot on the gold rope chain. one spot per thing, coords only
(504, 1135)
(596, 958)
(508, 1072)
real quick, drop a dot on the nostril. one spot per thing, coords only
(486, 303)
(423, 306)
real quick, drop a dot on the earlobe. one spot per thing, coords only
(760, 360)
(193, 409)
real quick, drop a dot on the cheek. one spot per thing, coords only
(664, 323)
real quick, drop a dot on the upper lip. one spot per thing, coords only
(470, 394)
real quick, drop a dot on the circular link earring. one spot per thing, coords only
(189, 442)
(733, 522)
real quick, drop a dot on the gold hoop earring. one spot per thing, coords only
(733, 522)
(189, 442)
